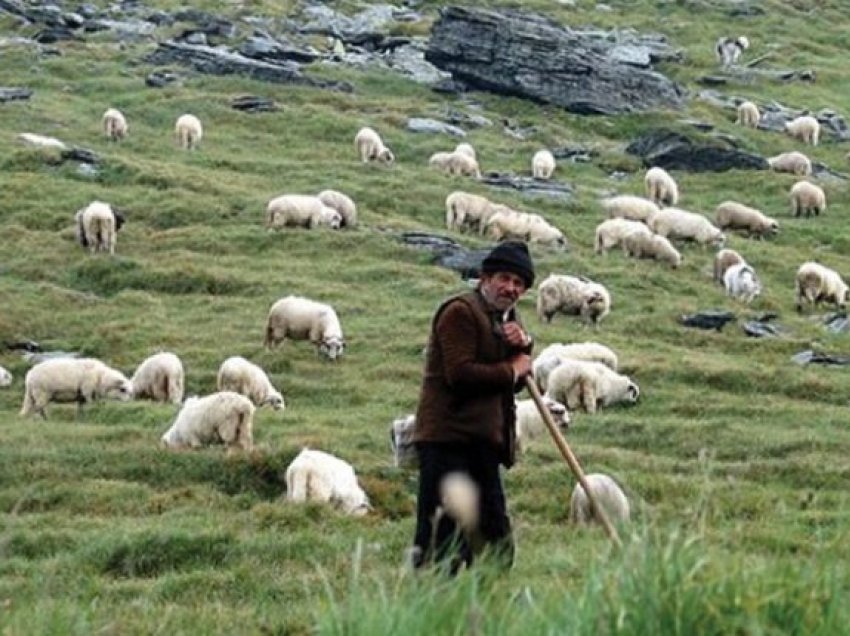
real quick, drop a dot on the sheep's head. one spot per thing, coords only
(632, 393)
(743, 42)
(558, 411)
(120, 389)
(332, 348)
(386, 156)
(120, 218)
(275, 400)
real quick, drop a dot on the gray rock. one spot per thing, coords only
(420, 124)
(708, 319)
(88, 170)
(128, 29)
(367, 23)
(810, 357)
(454, 116)
(34, 358)
(410, 60)
(160, 79)
(640, 56)
(671, 150)
(12, 93)
(83, 155)
(263, 47)
(253, 104)
(529, 185)
(575, 154)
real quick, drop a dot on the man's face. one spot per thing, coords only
(501, 289)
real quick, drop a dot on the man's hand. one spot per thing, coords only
(514, 335)
(521, 364)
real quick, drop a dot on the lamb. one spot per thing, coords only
(160, 378)
(610, 233)
(42, 141)
(114, 124)
(807, 197)
(542, 164)
(401, 441)
(736, 216)
(816, 283)
(5, 378)
(96, 227)
(580, 384)
(468, 211)
(748, 115)
(806, 129)
(530, 424)
(342, 204)
(553, 355)
(723, 260)
(300, 210)
(680, 224)
(318, 476)
(660, 187)
(456, 163)
(188, 131)
(303, 319)
(629, 207)
(466, 149)
(741, 282)
(606, 493)
(246, 378)
(793, 162)
(370, 147)
(532, 228)
(219, 418)
(572, 296)
(649, 245)
(79, 380)
(728, 50)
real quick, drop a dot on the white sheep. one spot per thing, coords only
(793, 162)
(246, 378)
(661, 187)
(96, 227)
(79, 380)
(816, 283)
(468, 211)
(805, 128)
(649, 245)
(5, 378)
(572, 296)
(741, 282)
(160, 378)
(542, 164)
(530, 424)
(531, 228)
(301, 210)
(807, 197)
(299, 318)
(723, 260)
(466, 149)
(219, 418)
(629, 207)
(318, 476)
(736, 216)
(611, 232)
(460, 500)
(728, 50)
(674, 223)
(42, 141)
(606, 493)
(553, 355)
(580, 384)
(401, 441)
(370, 147)
(114, 124)
(748, 115)
(188, 131)
(455, 163)
(342, 204)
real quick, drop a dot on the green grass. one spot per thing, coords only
(735, 459)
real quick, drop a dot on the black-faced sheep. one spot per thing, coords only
(674, 223)
(807, 198)
(654, 246)
(219, 418)
(542, 164)
(114, 124)
(606, 493)
(342, 204)
(736, 216)
(300, 210)
(748, 115)
(793, 162)
(96, 227)
(728, 50)
(661, 187)
(299, 318)
(589, 386)
(816, 284)
(370, 147)
(572, 296)
(318, 476)
(241, 376)
(741, 282)
(160, 378)
(188, 131)
(806, 129)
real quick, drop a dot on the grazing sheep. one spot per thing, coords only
(303, 319)
(114, 124)
(674, 223)
(219, 418)
(629, 207)
(649, 245)
(5, 378)
(580, 384)
(531, 228)
(728, 50)
(466, 149)
(246, 378)
(806, 129)
(469, 211)
(572, 296)
(542, 164)
(318, 476)
(301, 210)
(370, 147)
(793, 162)
(188, 131)
(96, 227)
(160, 378)
(817, 283)
(661, 187)
(748, 115)
(456, 163)
(342, 204)
(553, 355)
(741, 282)
(807, 197)
(736, 216)
(606, 493)
(530, 424)
(610, 233)
(401, 441)
(42, 141)
(77, 380)
(723, 260)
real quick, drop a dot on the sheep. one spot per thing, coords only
(188, 131)
(302, 319)
(370, 147)
(807, 197)
(748, 115)
(401, 441)
(793, 162)
(806, 129)
(530, 424)
(318, 476)
(736, 216)
(5, 378)
(42, 141)
(160, 378)
(465, 210)
(629, 207)
(680, 224)
(300, 210)
(219, 418)
(114, 124)
(77, 380)
(723, 260)
(580, 384)
(542, 164)
(246, 378)
(661, 188)
(816, 283)
(96, 227)
(741, 282)
(342, 204)
(610, 233)
(532, 228)
(456, 163)
(728, 50)
(466, 149)
(556, 353)
(459, 499)
(572, 296)
(606, 493)
(649, 245)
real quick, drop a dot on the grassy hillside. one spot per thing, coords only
(735, 459)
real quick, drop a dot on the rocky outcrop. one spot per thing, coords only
(8, 94)
(674, 151)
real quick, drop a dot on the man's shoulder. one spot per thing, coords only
(462, 303)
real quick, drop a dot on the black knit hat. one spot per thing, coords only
(513, 257)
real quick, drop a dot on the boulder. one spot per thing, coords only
(420, 124)
(674, 151)
(529, 185)
(12, 93)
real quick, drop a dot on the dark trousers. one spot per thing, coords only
(445, 543)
